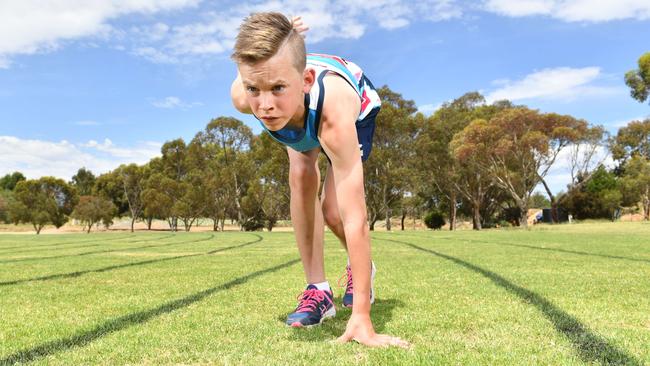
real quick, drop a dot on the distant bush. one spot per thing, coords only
(434, 220)
(255, 223)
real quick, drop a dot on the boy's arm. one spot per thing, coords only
(338, 138)
(238, 95)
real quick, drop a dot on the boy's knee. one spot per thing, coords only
(302, 176)
(331, 215)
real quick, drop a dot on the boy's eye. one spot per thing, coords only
(278, 88)
(251, 89)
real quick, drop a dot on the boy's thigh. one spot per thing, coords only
(300, 161)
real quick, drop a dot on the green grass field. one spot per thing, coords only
(563, 295)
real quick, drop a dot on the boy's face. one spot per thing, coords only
(275, 89)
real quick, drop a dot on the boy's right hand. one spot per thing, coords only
(299, 26)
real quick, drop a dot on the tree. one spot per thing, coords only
(44, 201)
(230, 140)
(538, 200)
(635, 182)
(599, 197)
(9, 181)
(132, 182)
(6, 197)
(91, 210)
(158, 198)
(269, 184)
(632, 140)
(83, 181)
(639, 79)
(438, 168)
(173, 166)
(110, 186)
(471, 177)
(519, 146)
(388, 170)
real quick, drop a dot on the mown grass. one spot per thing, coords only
(556, 295)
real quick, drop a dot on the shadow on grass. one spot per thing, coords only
(566, 251)
(577, 252)
(126, 265)
(382, 313)
(39, 247)
(589, 346)
(106, 251)
(114, 325)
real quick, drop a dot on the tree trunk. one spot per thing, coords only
(37, 228)
(215, 224)
(149, 221)
(223, 223)
(523, 216)
(89, 227)
(476, 215)
(646, 204)
(132, 223)
(554, 214)
(452, 212)
(372, 224)
(403, 218)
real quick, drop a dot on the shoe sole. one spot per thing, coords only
(328, 314)
(372, 286)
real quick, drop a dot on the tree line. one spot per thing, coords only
(470, 158)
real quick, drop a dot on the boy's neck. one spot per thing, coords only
(298, 119)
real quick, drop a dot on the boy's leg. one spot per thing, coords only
(330, 207)
(306, 215)
(315, 303)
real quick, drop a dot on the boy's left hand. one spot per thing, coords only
(360, 329)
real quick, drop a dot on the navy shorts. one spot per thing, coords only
(365, 132)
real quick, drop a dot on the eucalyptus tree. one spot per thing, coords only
(639, 79)
(518, 146)
(83, 181)
(269, 187)
(230, 140)
(44, 201)
(91, 210)
(9, 181)
(387, 171)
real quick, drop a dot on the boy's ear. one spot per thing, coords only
(308, 79)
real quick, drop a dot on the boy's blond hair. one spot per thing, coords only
(261, 36)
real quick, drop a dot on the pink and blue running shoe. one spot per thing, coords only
(349, 287)
(313, 308)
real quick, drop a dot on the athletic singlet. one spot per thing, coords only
(306, 138)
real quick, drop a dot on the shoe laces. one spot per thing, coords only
(349, 287)
(309, 300)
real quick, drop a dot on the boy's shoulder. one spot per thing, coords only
(341, 102)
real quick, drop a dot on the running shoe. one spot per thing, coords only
(349, 287)
(313, 308)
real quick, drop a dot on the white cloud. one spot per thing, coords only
(573, 10)
(429, 109)
(33, 26)
(37, 158)
(174, 102)
(558, 83)
(36, 26)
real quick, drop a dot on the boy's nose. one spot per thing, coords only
(266, 102)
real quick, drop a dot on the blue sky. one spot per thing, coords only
(100, 83)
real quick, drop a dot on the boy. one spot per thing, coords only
(286, 91)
